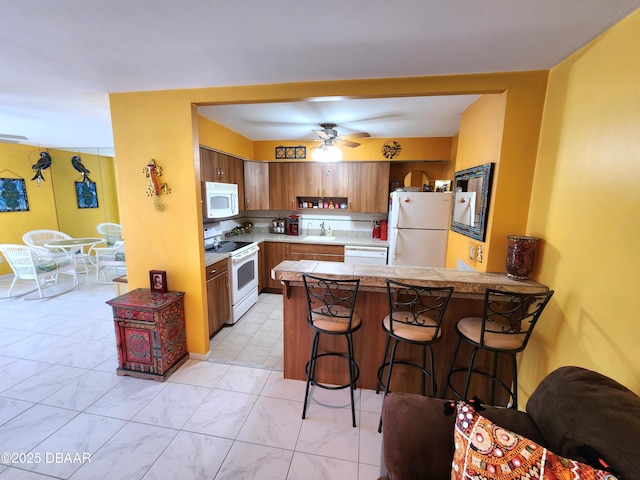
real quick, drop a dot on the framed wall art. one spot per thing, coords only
(13, 195)
(86, 194)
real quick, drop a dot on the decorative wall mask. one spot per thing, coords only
(77, 164)
(42, 164)
(155, 187)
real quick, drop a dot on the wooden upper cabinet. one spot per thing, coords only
(369, 187)
(220, 167)
(256, 186)
(283, 178)
(334, 179)
(207, 166)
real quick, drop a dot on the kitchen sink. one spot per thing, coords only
(318, 238)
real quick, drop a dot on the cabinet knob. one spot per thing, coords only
(213, 271)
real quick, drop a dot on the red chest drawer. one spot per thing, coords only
(150, 333)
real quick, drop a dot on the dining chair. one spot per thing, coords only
(108, 257)
(111, 232)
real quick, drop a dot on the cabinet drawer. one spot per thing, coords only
(216, 269)
(306, 248)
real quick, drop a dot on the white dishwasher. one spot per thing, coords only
(365, 255)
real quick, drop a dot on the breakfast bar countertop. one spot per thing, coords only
(372, 277)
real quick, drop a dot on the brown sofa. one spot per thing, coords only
(576, 413)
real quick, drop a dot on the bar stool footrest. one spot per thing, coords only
(354, 366)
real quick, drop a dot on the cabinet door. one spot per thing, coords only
(282, 178)
(256, 186)
(218, 300)
(334, 179)
(274, 253)
(369, 187)
(207, 166)
(236, 175)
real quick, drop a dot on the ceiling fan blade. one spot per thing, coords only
(321, 133)
(356, 135)
(348, 143)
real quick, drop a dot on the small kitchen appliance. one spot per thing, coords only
(278, 225)
(221, 200)
(293, 225)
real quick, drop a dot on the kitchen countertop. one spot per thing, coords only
(341, 238)
(372, 277)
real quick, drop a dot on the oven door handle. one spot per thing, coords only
(245, 254)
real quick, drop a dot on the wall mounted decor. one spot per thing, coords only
(86, 194)
(41, 165)
(13, 195)
(391, 149)
(155, 187)
(472, 191)
(291, 153)
(77, 164)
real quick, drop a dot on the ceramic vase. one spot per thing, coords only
(521, 253)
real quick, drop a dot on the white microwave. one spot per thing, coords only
(221, 199)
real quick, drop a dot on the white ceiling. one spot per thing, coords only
(60, 59)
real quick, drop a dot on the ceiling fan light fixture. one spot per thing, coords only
(328, 152)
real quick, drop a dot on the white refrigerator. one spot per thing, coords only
(418, 228)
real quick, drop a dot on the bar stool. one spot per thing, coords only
(415, 317)
(507, 321)
(331, 311)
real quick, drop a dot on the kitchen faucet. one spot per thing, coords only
(309, 228)
(322, 229)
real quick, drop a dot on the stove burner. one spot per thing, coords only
(228, 246)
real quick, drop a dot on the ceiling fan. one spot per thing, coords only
(329, 136)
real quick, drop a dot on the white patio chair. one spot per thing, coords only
(111, 232)
(109, 257)
(40, 265)
(38, 238)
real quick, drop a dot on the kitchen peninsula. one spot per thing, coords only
(371, 305)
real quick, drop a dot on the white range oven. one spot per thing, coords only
(244, 279)
(243, 268)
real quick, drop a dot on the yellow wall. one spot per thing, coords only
(163, 125)
(216, 136)
(479, 142)
(585, 206)
(53, 204)
(433, 149)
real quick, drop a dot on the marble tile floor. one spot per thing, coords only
(255, 339)
(65, 414)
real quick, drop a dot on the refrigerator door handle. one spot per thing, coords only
(397, 215)
(395, 243)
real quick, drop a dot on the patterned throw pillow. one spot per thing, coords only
(485, 451)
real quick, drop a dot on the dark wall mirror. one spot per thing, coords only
(472, 190)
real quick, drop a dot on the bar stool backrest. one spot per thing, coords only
(417, 306)
(331, 299)
(512, 314)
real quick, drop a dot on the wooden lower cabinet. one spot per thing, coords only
(218, 295)
(275, 252)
